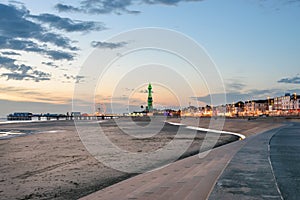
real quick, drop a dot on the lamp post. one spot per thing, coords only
(233, 109)
(268, 105)
(295, 100)
(253, 108)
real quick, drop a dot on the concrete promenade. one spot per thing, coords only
(285, 157)
(263, 166)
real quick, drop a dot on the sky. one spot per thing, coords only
(45, 46)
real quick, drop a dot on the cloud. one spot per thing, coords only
(291, 80)
(123, 6)
(57, 40)
(67, 24)
(60, 55)
(19, 33)
(19, 44)
(145, 91)
(11, 89)
(14, 24)
(78, 79)
(23, 31)
(129, 89)
(7, 63)
(99, 7)
(51, 64)
(107, 45)
(219, 98)
(114, 6)
(166, 2)
(66, 8)
(8, 107)
(33, 95)
(30, 46)
(277, 4)
(244, 96)
(235, 86)
(10, 53)
(23, 76)
(21, 71)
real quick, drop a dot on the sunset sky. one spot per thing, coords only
(254, 44)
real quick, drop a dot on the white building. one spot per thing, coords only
(278, 103)
(295, 102)
(286, 102)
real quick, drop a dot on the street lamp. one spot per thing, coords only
(295, 101)
(268, 105)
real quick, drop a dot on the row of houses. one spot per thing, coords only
(283, 105)
(287, 102)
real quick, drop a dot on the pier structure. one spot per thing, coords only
(21, 116)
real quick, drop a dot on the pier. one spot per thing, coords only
(21, 116)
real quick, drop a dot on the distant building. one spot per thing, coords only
(261, 106)
(295, 102)
(221, 110)
(191, 111)
(278, 103)
(249, 109)
(286, 102)
(239, 107)
(230, 110)
(271, 104)
(256, 107)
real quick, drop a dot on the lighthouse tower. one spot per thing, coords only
(150, 100)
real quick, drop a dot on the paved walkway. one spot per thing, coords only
(240, 170)
(285, 158)
(249, 174)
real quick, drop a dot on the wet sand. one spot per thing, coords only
(52, 163)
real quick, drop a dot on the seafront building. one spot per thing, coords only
(295, 102)
(287, 103)
(256, 107)
(278, 106)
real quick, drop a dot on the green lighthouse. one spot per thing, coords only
(150, 100)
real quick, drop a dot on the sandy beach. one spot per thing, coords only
(52, 162)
